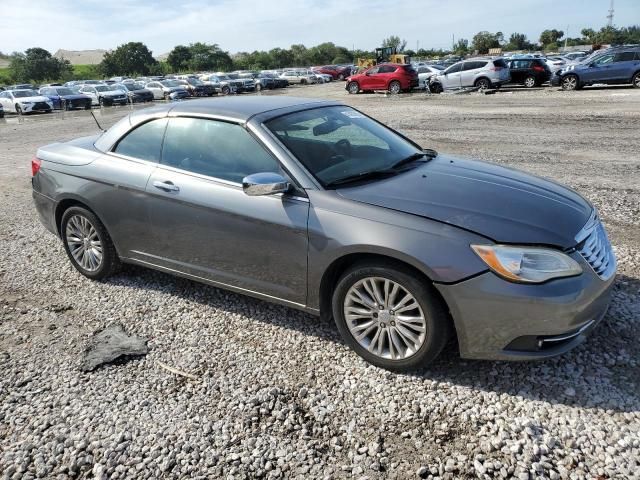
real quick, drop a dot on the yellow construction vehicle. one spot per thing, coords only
(384, 55)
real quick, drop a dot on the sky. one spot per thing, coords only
(262, 25)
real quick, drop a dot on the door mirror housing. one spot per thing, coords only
(265, 183)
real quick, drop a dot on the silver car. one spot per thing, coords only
(315, 205)
(481, 73)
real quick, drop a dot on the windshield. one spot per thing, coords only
(171, 83)
(336, 143)
(102, 88)
(118, 88)
(134, 86)
(64, 91)
(223, 77)
(25, 93)
(233, 76)
(194, 81)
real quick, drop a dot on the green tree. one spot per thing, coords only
(394, 41)
(37, 64)
(483, 41)
(551, 37)
(589, 35)
(518, 41)
(133, 58)
(208, 57)
(461, 47)
(179, 58)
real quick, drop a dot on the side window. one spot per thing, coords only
(386, 69)
(468, 66)
(604, 60)
(216, 149)
(454, 68)
(624, 57)
(144, 142)
(373, 71)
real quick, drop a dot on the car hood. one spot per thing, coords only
(35, 98)
(113, 93)
(77, 96)
(504, 205)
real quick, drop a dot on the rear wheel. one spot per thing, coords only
(353, 88)
(530, 81)
(87, 243)
(482, 84)
(389, 317)
(258, 87)
(226, 90)
(570, 82)
(395, 87)
(636, 80)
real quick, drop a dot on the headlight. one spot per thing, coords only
(527, 264)
(26, 103)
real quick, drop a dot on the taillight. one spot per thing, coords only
(35, 166)
(538, 68)
(496, 69)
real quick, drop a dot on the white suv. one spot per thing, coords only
(482, 73)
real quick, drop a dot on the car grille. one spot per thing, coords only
(41, 106)
(595, 248)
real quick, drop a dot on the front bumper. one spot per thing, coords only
(36, 107)
(500, 320)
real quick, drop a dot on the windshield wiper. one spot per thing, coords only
(413, 157)
(371, 174)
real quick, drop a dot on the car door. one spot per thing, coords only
(467, 74)
(204, 224)
(451, 77)
(623, 67)
(517, 69)
(599, 70)
(371, 80)
(156, 90)
(385, 76)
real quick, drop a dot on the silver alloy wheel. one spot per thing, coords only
(84, 243)
(483, 84)
(353, 88)
(529, 82)
(385, 318)
(636, 80)
(395, 87)
(570, 82)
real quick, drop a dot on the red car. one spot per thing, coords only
(392, 77)
(338, 73)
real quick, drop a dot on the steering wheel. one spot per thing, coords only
(343, 147)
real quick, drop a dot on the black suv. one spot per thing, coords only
(530, 72)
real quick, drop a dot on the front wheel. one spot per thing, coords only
(395, 87)
(258, 87)
(353, 88)
(530, 81)
(570, 82)
(226, 90)
(389, 317)
(436, 87)
(636, 80)
(87, 243)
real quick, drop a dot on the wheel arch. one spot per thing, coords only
(341, 264)
(482, 77)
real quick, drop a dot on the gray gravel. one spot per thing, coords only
(277, 393)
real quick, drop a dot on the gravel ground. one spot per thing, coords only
(278, 394)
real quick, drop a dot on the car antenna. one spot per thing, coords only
(96, 120)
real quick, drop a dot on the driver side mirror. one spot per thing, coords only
(264, 183)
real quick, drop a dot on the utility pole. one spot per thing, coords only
(453, 42)
(610, 16)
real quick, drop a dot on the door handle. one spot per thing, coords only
(167, 186)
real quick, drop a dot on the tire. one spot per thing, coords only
(353, 88)
(258, 87)
(18, 109)
(303, 82)
(636, 80)
(429, 317)
(341, 77)
(482, 84)
(90, 237)
(530, 81)
(436, 87)
(88, 107)
(226, 90)
(101, 102)
(570, 83)
(395, 87)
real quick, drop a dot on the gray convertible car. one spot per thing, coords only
(315, 205)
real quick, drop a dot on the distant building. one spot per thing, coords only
(495, 51)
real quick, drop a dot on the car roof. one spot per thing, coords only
(240, 108)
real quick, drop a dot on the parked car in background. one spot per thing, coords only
(22, 86)
(262, 82)
(575, 56)
(135, 92)
(167, 90)
(394, 78)
(314, 205)
(530, 72)
(615, 67)
(25, 101)
(247, 84)
(196, 87)
(295, 77)
(481, 73)
(103, 95)
(65, 98)
(222, 85)
(425, 72)
(278, 82)
(555, 63)
(337, 72)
